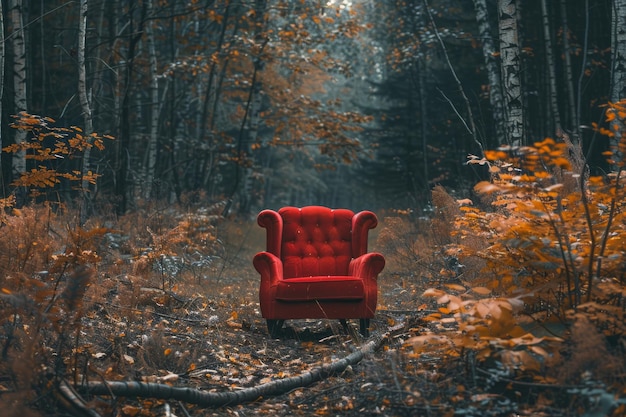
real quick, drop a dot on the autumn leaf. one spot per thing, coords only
(456, 287)
(130, 410)
(481, 290)
(486, 187)
(433, 292)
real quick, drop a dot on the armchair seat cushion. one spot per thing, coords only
(321, 288)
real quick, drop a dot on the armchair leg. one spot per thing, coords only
(365, 327)
(344, 324)
(274, 326)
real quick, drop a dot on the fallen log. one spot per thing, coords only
(219, 399)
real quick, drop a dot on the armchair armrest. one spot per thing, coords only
(362, 222)
(271, 269)
(273, 223)
(269, 266)
(367, 266)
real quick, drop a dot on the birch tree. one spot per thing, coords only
(511, 69)
(2, 53)
(618, 46)
(149, 165)
(82, 91)
(19, 79)
(493, 69)
(618, 70)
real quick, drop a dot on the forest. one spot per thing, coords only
(141, 138)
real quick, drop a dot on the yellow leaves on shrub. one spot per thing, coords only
(487, 326)
(64, 143)
(519, 359)
(495, 155)
(485, 187)
(526, 353)
(41, 177)
(489, 317)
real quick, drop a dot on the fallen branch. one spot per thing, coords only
(69, 399)
(218, 399)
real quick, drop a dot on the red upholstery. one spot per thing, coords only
(316, 264)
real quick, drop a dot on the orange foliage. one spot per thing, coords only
(551, 231)
(554, 248)
(48, 143)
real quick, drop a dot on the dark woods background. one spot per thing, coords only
(362, 103)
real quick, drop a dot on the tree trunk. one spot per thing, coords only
(552, 90)
(618, 46)
(42, 64)
(135, 30)
(82, 93)
(172, 155)
(423, 108)
(573, 124)
(618, 73)
(149, 165)
(213, 91)
(511, 68)
(253, 108)
(493, 70)
(259, 64)
(19, 80)
(2, 54)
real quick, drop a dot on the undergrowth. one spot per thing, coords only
(521, 291)
(531, 279)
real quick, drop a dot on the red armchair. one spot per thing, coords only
(316, 265)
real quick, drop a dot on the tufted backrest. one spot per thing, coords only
(316, 241)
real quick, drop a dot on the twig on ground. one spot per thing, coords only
(71, 401)
(218, 399)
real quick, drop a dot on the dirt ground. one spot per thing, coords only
(200, 327)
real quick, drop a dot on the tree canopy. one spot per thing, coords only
(273, 102)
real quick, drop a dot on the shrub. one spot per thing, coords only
(553, 242)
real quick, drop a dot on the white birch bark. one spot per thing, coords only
(19, 78)
(151, 151)
(618, 46)
(511, 69)
(2, 54)
(618, 73)
(82, 91)
(493, 70)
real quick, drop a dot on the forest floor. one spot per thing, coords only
(203, 330)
